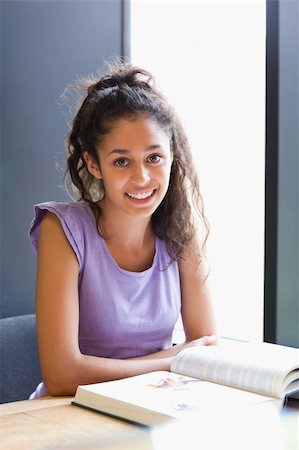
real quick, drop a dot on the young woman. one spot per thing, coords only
(117, 266)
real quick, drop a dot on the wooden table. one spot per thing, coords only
(53, 423)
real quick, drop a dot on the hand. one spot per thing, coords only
(204, 340)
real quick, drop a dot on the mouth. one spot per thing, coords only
(141, 197)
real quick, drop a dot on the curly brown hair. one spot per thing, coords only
(130, 92)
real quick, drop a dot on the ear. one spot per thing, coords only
(92, 166)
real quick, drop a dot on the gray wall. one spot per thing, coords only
(288, 170)
(45, 45)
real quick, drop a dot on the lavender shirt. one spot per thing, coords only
(122, 314)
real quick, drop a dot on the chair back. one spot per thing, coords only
(19, 363)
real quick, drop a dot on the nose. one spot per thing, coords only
(140, 175)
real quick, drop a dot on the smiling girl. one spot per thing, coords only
(117, 266)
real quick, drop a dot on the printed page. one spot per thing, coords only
(260, 368)
(156, 397)
(147, 398)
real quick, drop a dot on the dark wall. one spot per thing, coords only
(45, 45)
(282, 174)
(288, 176)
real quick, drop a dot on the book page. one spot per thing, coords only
(148, 399)
(156, 397)
(260, 368)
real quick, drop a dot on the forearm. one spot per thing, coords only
(86, 369)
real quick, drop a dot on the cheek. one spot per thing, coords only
(165, 172)
(113, 183)
(163, 176)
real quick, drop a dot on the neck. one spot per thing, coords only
(128, 230)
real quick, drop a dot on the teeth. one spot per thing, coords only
(140, 196)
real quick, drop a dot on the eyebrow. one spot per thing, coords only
(123, 151)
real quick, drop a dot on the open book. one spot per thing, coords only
(234, 374)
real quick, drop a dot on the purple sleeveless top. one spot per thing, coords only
(122, 314)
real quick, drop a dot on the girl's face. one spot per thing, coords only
(135, 162)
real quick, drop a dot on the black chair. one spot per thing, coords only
(19, 363)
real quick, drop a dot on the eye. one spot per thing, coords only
(121, 162)
(155, 158)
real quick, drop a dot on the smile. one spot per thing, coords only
(140, 195)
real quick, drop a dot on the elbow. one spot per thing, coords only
(60, 388)
(62, 381)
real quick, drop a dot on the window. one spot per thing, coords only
(209, 59)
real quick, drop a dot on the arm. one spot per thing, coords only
(197, 312)
(63, 366)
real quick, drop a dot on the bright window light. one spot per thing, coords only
(209, 59)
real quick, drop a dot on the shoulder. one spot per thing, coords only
(73, 219)
(165, 263)
(69, 214)
(192, 264)
(63, 209)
